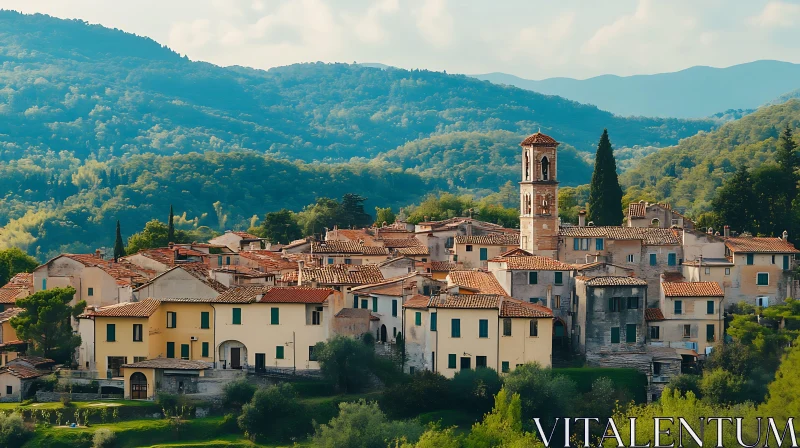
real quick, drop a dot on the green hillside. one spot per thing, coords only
(688, 175)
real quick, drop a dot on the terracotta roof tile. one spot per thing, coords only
(344, 274)
(692, 289)
(269, 261)
(636, 210)
(467, 301)
(346, 247)
(145, 308)
(246, 236)
(413, 250)
(351, 313)
(653, 315)
(442, 266)
(534, 263)
(516, 252)
(539, 139)
(483, 282)
(760, 245)
(649, 236)
(296, 243)
(492, 239)
(9, 313)
(123, 272)
(355, 235)
(613, 281)
(418, 301)
(196, 270)
(451, 223)
(393, 243)
(517, 308)
(21, 372)
(295, 294)
(10, 295)
(21, 280)
(168, 363)
(35, 361)
(241, 294)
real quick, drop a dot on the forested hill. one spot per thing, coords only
(688, 175)
(98, 92)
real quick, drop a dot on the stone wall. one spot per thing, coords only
(44, 397)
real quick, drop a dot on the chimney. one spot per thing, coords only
(582, 218)
(726, 231)
(314, 283)
(785, 235)
(97, 253)
(300, 265)
(469, 228)
(171, 245)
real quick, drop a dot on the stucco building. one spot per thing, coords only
(475, 251)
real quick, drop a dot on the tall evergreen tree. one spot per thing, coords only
(119, 246)
(171, 227)
(786, 156)
(734, 204)
(605, 194)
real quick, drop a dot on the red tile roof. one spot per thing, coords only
(145, 308)
(168, 363)
(612, 281)
(355, 235)
(21, 280)
(9, 313)
(392, 243)
(295, 294)
(10, 295)
(653, 315)
(760, 245)
(123, 272)
(344, 274)
(441, 266)
(467, 301)
(418, 301)
(346, 247)
(413, 250)
(539, 139)
(246, 236)
(517, 308)
(636, 210)
(241, 294)
(356, 313)
(649, 236)
(269, 261)
(20, 371)
(483, 282)
(516, 252)
(492, 239)
(534, 263)
(692, 289)
(196, 270)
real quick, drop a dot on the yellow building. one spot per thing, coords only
(475, 251)
(143, 379)
(9, 343)
(183, 328)
(455, 332)
(693, 316)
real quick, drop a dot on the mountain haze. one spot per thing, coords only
(692, 93)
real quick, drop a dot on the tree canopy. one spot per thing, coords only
(14, 261)
(45, 321)
(605, 194)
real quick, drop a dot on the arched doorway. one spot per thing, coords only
(383, 333)
(232, 355)
(138, 386)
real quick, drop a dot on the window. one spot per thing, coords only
(653, 260)
(480, 361)
(364, 303)
(170, 349)
(137, 332)
(631, 258)
(534, 328)
(90, 292)
(448, 244)
(559, 278)
(44, 284)
(111, 332)
(533, 300)
(773, 259)
(316, 316)
(347, 261)
(172, 319)
(275, 316)
(469, 248)
(204, 320)
(311, 355)
(205, 350)
(687, 331)
(451, 361)
(533, 278)
(679, 307)
(139, 358)
(279, 352)
(394, 307)
(219, 260)
(655, 333)
(710, 307)
(762, 279)
(656, 368)
(727, 271)
(580, 243)
(615, 335)
(671, 259)
(785, 262)
(374, 304)
(227, 260)
(330, 260)
(455, 328)
(433, 321)
(9, 390)
(710, 334)
(506, 327)
(708, 270)
(483, 328)
(598, 244)
(237, 316)
(418, 318)
(394, 332)
(749, 258)
(484, 254)
(556, 302)
(355, 302)
(411, 370)
(614, 303)
(184, 351)
(504, 367)
(630, 333)
(633, 303)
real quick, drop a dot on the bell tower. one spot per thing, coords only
(538, 190)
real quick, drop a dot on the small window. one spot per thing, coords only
(559, 278)
(236, 319)
(316, 316)
(615, 304)
(455, 328)
(615, 335)
(598, 244)
(762, 279)
(418, 318)
(483, 328)
(275, 316)
(630, 333)
(374, 304)
(228, 260)
(484, 254)
(433, 321)
(219, 260)
(330, 260)
(534, 328)
(347, 261)
(655, 333)
(631, 258)
(451, 361)
(311, 355)
(708, 270)
(411, 370)
(687, 331)
(556, 302)
(355, 301)
(773, 259)
(480, 362)
(394, 307)
(506, 327)
(633, 303)
(170, 349)
(656, 368)
(469, 248)
(653, 260)
(710, 307)
(137, 332)
(749, 258)
(394, 332)
(533, 300)
(172, 319)
(678, 307)
(184, 351)
(90, 292)
(205, 350)
(533, 278)
(44, 284)
(9, 390)
(111, 333)
(727, 271)
(671, 259)
(205, 320)
(279, 352)
(710, 333)
(504, 367)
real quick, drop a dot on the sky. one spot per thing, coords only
(533, 39)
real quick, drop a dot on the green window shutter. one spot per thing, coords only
(710, 336)
(433, 321)
(749, 258)
(275, 316)
(678, 307)
(204, 319)
(630, 333)
(205, 349)
(671, 259)
(615, 335)
(762, 279)
(483, 328)
(576, 244)
(653, 260)
(355, 301)
(484, 254)
(785, 262)
(374, 304)
(418, 318)
(279, 352)
(111, 332)
(598, 243)
(184, 351)
(505, 368)
(559, 278)
(710, 307)
(394, 307)
(219, 260)
(170, 349)
(364, 303)
(451, 361)
(533, 278)
(455, 328)
(237, 316)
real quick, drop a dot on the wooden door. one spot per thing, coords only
(236, 358)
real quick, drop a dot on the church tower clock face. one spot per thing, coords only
(538, 220)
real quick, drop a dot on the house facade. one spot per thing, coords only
(693, 316)
(475, 251)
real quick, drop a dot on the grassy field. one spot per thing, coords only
(79, 404)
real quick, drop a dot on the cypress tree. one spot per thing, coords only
(119, 247)
(171, 229)
(605, 194)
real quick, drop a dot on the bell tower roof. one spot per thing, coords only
(539, 139)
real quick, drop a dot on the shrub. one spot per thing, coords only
(476, 389)
(229, 424)
(167, 401)
(722, 387)
(103, 438)
(425, 392)
(364, 425)
(543, 393)
(345, 362)
(237, 393)
(13, 431)
(686, 383)
(66, 401)
(274, 411)
(630, 380)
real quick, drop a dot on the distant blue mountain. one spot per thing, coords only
(692, 93)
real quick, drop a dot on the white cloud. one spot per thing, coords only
(190, 35)
(435, 22)
(369, 27)
(548, 40)
(778, 14)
